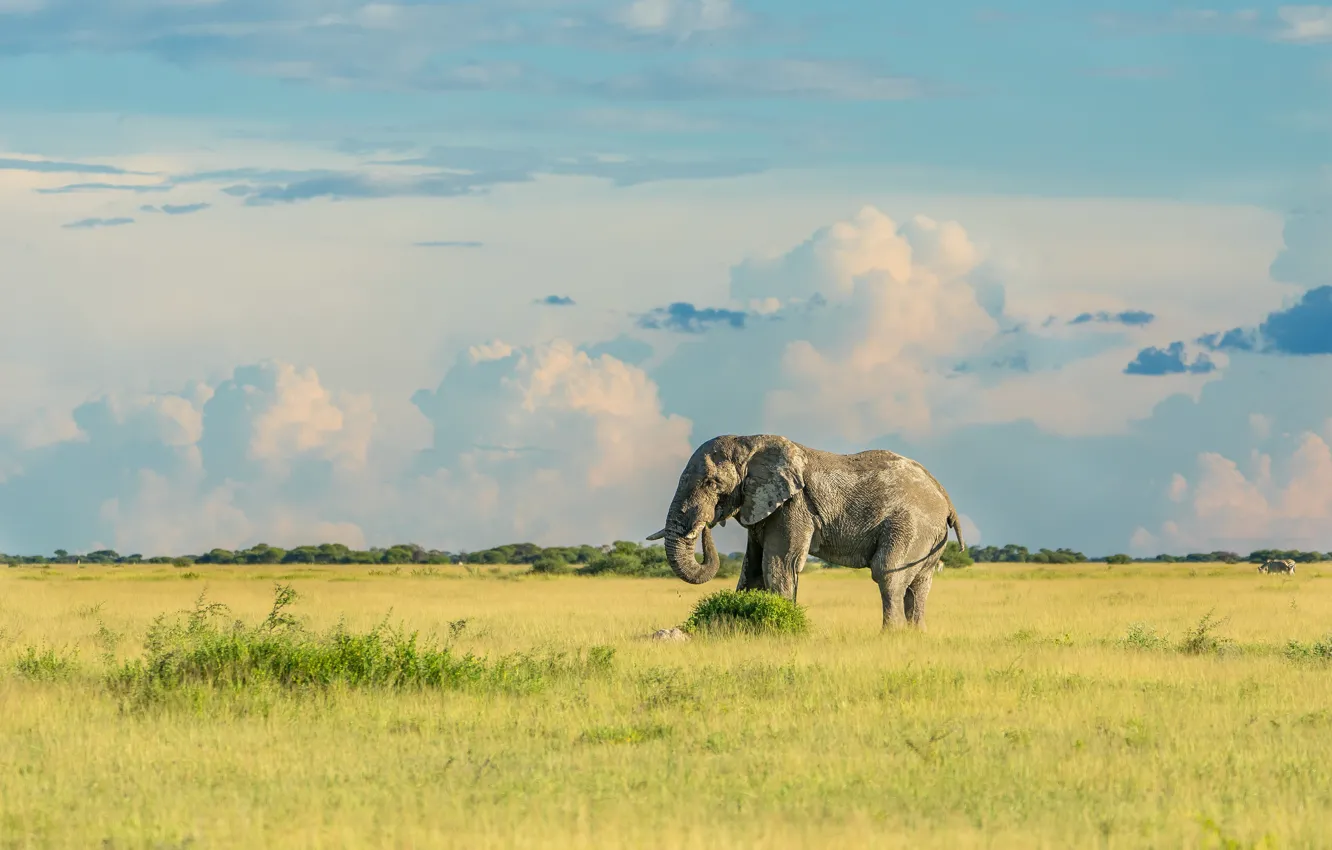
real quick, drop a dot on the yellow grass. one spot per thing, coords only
(1018, 720)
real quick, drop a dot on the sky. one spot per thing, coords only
(469, 273)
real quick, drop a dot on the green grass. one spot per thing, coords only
(1141, 706)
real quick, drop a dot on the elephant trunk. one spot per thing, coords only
(682, 528)
(686, 517)
(680, 554)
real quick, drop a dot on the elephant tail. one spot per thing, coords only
(956, 525)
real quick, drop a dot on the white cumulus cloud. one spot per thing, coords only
(888, 311)
(1305, 23)
(211, 466)
(548, 444)
(678, 17)
(1230, 509)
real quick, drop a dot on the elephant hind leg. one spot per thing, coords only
(917, 592)
(886, 568)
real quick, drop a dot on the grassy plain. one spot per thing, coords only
(1025, 717)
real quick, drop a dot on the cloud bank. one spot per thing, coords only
(870, 331)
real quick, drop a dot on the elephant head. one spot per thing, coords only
(728, 476)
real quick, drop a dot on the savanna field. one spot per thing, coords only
(1141, 705)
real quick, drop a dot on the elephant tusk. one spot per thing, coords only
(658, 535)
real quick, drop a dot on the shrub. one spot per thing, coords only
(1142, 636)
(1120, 558)
(1316, 651)
(1202, 638)
(551, 565)
(750, 611)
(45, 666)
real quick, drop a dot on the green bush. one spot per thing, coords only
(551, 565)
(45, 666)
(1317, 651)
(749, 611)
(1143, 636)
(1119, 559)
(1202, 639)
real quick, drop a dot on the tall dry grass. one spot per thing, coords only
(1143, 705)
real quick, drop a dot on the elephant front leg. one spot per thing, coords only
(751, 571)
(786, 540)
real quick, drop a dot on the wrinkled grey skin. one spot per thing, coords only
(873, 509)
(1283, 566)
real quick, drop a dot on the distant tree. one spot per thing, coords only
(1058, 556)
(1010, 553)
(614, 563)
(301, 555)
(398, 555)
(551, 564)
(954, 557)
(261, 553)
(623, 557)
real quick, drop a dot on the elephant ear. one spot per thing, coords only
(773, 475)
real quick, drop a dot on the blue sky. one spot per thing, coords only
(469, 273)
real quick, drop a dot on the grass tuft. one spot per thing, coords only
(1202, 639)
(630, 734)
(746, 611)
(202, 651)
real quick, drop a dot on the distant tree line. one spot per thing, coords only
(1013, 553)
(620, 558)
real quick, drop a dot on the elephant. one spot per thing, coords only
(1283, 566)
(874, 509)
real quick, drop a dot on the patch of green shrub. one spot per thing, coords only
(45, 666)
(1202, 639)
(1143, 636)
(201, 651)
(749, 611)
(1320, 650)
